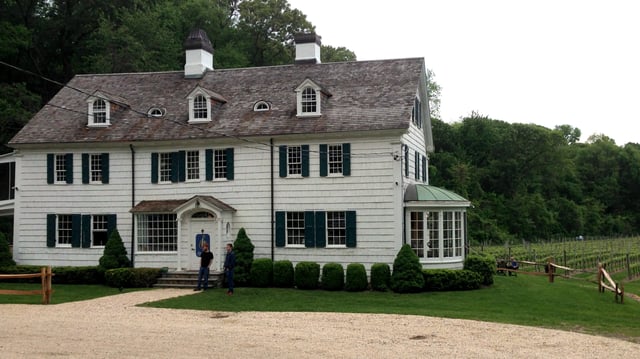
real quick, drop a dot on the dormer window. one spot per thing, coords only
(99, 112)
(261, 106)
(204, 104)
(156, 112)
(309, 96)
(200, 108)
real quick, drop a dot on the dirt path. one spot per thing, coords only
(113, 327)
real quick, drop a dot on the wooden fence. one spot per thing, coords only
(618, 291)
(45, 280)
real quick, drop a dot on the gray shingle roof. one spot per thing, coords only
(365, 96)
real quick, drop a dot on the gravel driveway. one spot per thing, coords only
(113, 327)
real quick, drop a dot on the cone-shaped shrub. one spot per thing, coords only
(407, 274)
(115, 254)
(6, 259)
(356, 278)
(243, 248)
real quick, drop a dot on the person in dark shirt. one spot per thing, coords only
(229, 265)
(205, 262)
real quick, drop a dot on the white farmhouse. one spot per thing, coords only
(318, 162)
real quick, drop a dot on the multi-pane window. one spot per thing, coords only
(336, 229)
(200, 108)
(193, 165)
(165, 167)
(99, 230)
(64, 229)
(433, 228)
(448, 231)
(157, 233)
(95, 170)
(295, 228)
(99, 111)
(294, 159)
(457, 234)
(416, 115)
(335, 158)
(61, 168)
(309, 100)
(220, 164)
(417, 233)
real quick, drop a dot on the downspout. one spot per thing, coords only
(133, 202)
(404, 208)
(273, 239)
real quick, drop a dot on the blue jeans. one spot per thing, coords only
(203, 278)
(230, 280)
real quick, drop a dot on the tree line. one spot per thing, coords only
(525, 181)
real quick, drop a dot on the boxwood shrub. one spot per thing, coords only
(450, 280)
(132, 277)
(306, 275)
(483, 265)
(332, 276)
(380, 276)
(77, 275)
(356, 278)
(262, 272)
(283, 274)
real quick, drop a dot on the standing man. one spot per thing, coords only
(229, 264)
(205, 262)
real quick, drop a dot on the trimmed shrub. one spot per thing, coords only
(485, 266)
(132, 277)
(243, 248)
(283, 274)
(380, 276)
(450, 280)
(262, 272)
(77, 275)
(356, 278)
(332, 276)
(407, 274)
(306, 275)
(6, 259)
(115, 254)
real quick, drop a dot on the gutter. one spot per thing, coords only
(273, 239)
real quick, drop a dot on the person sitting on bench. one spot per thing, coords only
(513, 264)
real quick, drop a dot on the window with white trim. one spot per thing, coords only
(295, 228)
(417, 233)
(193, 165)
(261, 106)
(335, 159)
(308, 97)
(308, 103)
(99, 230)
(294, 160)
(99, 112)
(157, 232)
(199, 107)
(444, 234)
(95, 167)
(60, 169)
(336, 229)
(433, 226)
(164, 170)
(64, 230)
(220, 164)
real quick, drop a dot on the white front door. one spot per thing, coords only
(201, 228)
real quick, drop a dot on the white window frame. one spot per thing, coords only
(335, 159)
(96, 112)
(261, 106)
(294, 161)
(295, 234)
(195, 105)
(95, 168)
(164, 167)
(336, 229)
(64, 230)
(440, 237)
(60, 169)
(219, 164)
(192, 165)
(99, 223)
(309, 99)
(157, 233)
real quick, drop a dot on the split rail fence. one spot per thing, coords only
(618, 290)
(45, 280)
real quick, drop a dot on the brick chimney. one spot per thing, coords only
(307, 48)
(199, 54)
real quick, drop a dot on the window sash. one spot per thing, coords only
(164, 169)
(417, 233)
(157, 233)
(99, 111)
(64, 230)
(336, 228)
(335, 159)
(61, 168)
(193, 165)
(99, 229)
(200, 107)
(294, 160)
(95, 170)
(308, 101)
(220, 164)
(295, 228)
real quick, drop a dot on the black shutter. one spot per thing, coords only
(283, 160)
(346, 159)
(50, 169)
(86, 231)
(76, 230)
(105, 167)
(416, 160)
(424, 168)
(85, 168)
(68, 167)
(182, 166)
(51, 230)
(321, 229)
(406, 161)
(281, 233)
(208, 164)
(305, 160)
(112, 224)
(351, 229)
(309, 235)
(154, 167)
(229, 156)
(324, 162)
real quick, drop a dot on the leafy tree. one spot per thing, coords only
(17, 106)
(407, 274)
(434, 91)
(336, 54)
(243, 248)
(6, 259)
(115, 254)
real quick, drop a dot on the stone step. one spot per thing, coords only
(187, 279)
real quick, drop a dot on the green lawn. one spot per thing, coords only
(567, 304)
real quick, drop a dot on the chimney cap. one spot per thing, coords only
(197, 40)
(305, 38)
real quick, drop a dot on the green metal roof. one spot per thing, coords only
(423, 192)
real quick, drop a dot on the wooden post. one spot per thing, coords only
(599, 278)
(551, 269)
(43, 284)
(48, 285)
(629, 276)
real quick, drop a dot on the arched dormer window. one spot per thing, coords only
(261, 106)
(309, 96)
(99, 112)
(199, 107)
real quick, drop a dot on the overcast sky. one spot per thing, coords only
(545, 62)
